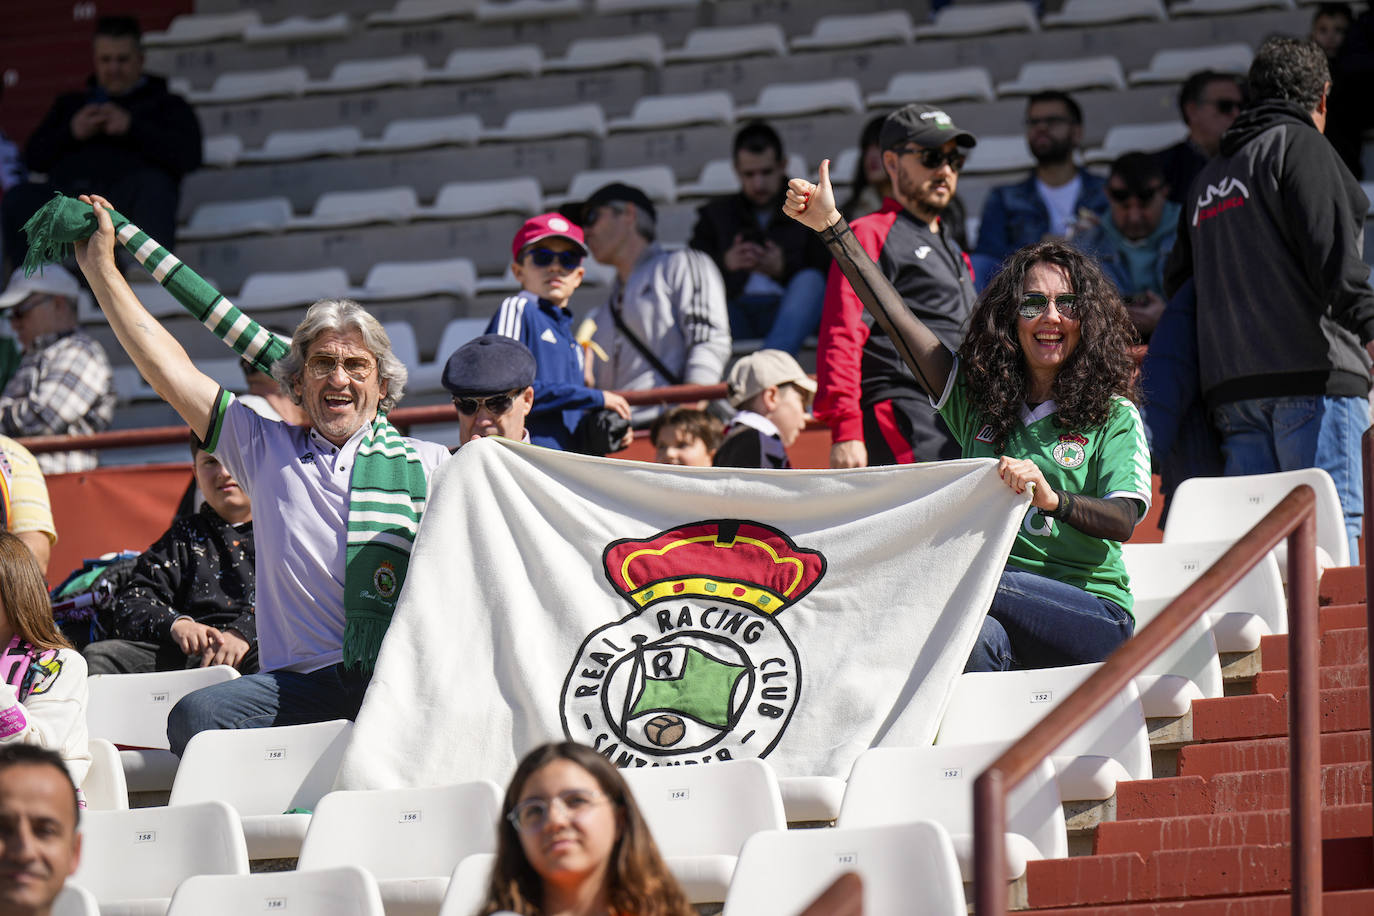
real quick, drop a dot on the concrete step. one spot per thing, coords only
(1343, 709)
(1339, 647)
(1342, 585)
(1275, 683)
(1258, 828)
(1190, 873)
(1207, 760)
(1334, 903)
(1258, 790)
(1344, 616)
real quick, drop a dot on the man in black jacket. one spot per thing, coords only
(124, 136)
(774, 274)
(1272, 233)
(189, 601)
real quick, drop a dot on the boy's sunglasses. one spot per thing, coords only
(543, 257)
(1033, 305)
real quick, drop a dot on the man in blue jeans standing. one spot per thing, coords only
(1272, 233)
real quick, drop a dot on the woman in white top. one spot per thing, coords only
(42, 678)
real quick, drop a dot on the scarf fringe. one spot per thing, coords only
(362, 641)
(49, 231)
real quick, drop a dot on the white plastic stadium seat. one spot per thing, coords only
(718, 177)
(601, 53)
(1216, 508)
(459, 199)
(906, 868)
(418, 133)
(525, 10)
(222, 151)
(1084, 13)
(542, 123)
(701, 815)
(404, 344)
(416, 12)
(786, 100)
(1129, 138)
(75, 900)
(104, 787)
(849, 31)
(250, 85)
(467, 886)
(336, 209)
(1066, 75)
(132, 861)
(427, 376)
(655, 112)
(130, 711)
(342, 891)
(410, 840)
(894, 785)
(732, 41)
(654, 180)
(357, 75)
(264, 773)
(606, 7)
(811, 798)
(1004, 705)
(415, 279)
(203, 28)
(286, 145)
(1174, 65)
(999, 154)
(962, 20)
(486, 63)
(299, 28)
(219, 219)
(1225, 7)
(961, 84)
(279, 289)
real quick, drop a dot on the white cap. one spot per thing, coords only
(763, 369)
(50, 280)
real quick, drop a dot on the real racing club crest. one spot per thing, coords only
(1071, 451)
(701, 669)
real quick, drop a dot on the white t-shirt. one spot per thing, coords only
(1061, 203)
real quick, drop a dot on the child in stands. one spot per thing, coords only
(773, 395)
(686, 436)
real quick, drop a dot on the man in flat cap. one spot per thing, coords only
(665, 322)
(491, 379)
(876, 412)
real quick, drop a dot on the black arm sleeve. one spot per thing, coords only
(1113, 518)
(926, 357)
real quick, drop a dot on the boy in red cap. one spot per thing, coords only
(546, 258)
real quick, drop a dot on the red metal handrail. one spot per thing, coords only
(1367, 462)
(403, 418)
(1295, 518)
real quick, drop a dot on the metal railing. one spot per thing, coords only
(1295, 518)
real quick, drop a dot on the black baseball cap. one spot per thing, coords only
(490, 364)
(615, 191)
(924, 125)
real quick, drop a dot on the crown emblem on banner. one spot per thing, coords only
(743, 562)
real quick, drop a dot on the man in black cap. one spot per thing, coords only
(876, 412)
(665, 322)
(491, 379)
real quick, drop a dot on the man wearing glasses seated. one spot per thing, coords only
(492, 380)
(338, 500)
(1208, 102)
(1056, 200)
(876, 411)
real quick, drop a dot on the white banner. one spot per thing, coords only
(678, 615)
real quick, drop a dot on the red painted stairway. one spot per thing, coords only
(1213, 840)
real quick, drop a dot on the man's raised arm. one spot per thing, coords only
(156, 353)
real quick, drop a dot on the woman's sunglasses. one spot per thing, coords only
(1033, 305)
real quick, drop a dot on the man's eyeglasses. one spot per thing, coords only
(1126, 195)
(1223, 106)
(543, 257)
(934, 158)
(1033, 305)
(1048, 121)
(495, 404)
(533, 813)
(322, 365)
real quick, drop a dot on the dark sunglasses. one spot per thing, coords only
(1125, 195)
(934, 158)
(495, 404)
(28, 305)
(1223, 106)
(1033, 305)
(543, 257)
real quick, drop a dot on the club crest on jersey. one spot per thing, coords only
(700, 670)
(984, 434)
(1071, 451)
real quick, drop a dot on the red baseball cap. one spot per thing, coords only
(543, 226)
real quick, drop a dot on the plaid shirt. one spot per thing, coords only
(63, 385)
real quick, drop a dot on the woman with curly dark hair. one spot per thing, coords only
(572, 842)
(1043, 382)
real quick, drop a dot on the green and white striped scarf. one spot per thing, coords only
(388, 487)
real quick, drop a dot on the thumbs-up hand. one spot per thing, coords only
(812, 205)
